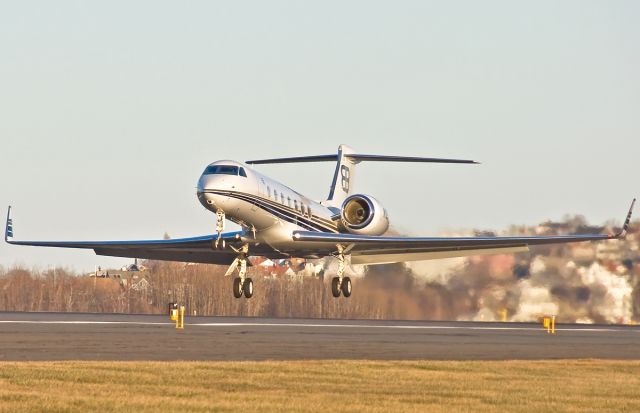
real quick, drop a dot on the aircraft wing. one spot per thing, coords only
(194, 249)
(366, 249)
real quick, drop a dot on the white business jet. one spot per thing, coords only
(278, 222)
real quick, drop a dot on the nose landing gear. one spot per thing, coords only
(220, 217)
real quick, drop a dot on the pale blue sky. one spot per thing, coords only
(109, 111)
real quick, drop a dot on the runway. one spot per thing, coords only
(75, 336)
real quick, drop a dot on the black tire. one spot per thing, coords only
(335, 287)
(247, 287)
(346, 286)
(237, 291)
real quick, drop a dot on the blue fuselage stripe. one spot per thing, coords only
(278, 211)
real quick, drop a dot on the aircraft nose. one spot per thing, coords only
(201, 183)
(207, 182)
(207, 194)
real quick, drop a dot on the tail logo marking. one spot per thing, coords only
(346, 174)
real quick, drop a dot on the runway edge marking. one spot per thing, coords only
(314, 325)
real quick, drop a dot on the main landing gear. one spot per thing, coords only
(340, 284)
(242, 285)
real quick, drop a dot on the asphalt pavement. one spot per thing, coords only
(79, 336)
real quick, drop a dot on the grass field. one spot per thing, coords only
(310, 386)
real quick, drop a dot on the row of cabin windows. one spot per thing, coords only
(298, 206)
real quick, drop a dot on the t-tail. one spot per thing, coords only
(346, 159)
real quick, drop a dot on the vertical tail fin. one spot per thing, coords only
(342, 184)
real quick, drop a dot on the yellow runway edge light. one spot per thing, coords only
(550, 324)
(180, 319)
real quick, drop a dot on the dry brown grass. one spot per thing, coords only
(310, 386)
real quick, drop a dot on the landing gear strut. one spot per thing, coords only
(220, 217)
(241, 285)
(340, 284)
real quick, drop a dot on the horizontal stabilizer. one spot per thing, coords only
(358, 157)
(295, 159)
(387, 158)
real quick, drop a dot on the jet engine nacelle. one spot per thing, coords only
(364, 215)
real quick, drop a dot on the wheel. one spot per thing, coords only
(237, 290)
(335, 286)
(346, 286)
(247, 287)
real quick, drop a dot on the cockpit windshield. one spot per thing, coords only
(225, 170)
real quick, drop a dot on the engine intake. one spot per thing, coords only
(362, 214)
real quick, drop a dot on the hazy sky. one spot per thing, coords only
(110, 111)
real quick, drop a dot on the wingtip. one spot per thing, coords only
(627, 221)
(8, 231)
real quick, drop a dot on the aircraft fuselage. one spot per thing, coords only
(262, 205)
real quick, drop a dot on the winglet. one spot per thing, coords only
(627, 221)
(8, 232)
